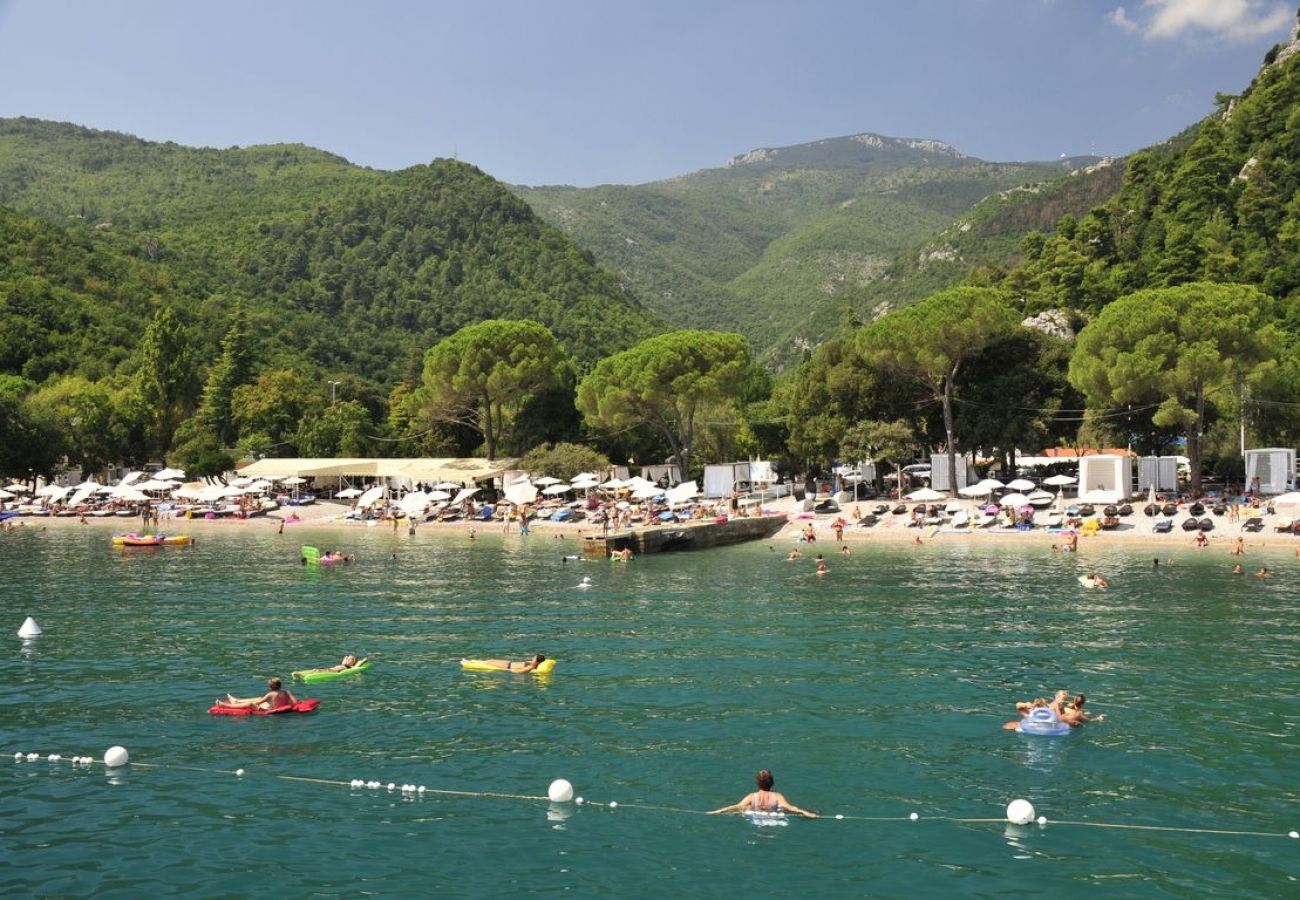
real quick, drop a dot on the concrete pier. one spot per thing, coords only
(685, 535)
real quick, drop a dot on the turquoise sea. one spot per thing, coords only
(872, 693)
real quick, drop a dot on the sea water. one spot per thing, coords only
(872, 693)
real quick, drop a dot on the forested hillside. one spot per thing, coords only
(344, 268)
(1219, 203)
(778, 241)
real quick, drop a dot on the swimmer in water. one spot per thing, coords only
(764, 800)
(518, 668)
(821, 567)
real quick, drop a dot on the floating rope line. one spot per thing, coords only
(408, 790)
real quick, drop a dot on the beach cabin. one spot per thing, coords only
(939, 472)
(721, 478)
(1159, 473)
(669, 471)
(1105, 478)
(1274, 467)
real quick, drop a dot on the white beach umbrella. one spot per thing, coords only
(682, 493)
(258, 486)
(586, 476)
(89, 484)
(18, 488)
(130, 478)
(647, 492)
(926, 495)
(448, 486)
(1060, 480)
(1021, 484)
(370, 497)
(992, 483)
(1041, 498)
(520, 493)
(1016, 499)
(463, 495)
(5, 495)
(349, 493)
(210, 492)
(975, 490)
(556, 489)
(153, 484)
(53, 491)
(614, 484)
(130, 493)
(438, 495)
(415, 503)
(292, 479)
(186, 493)
(546, 481)
(170, 474)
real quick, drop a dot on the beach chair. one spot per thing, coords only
(1253, 524)
(1163, 526)
(485, 513)
(1055, 519)
(960, 519)
(561, 515)
(984, 520)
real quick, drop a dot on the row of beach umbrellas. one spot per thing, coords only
(986, 487)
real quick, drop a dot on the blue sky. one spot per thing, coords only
(586, 92)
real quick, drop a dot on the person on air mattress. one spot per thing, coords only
(275, 698)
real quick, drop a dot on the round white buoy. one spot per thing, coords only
(1294, 834)
(54, 757)
(420, 789)
(30, 629)
(391, 786)
(560, 791)
(1042, 820)
(613, 804)
(579, 800)
(1020, 812)
(914, 817)
(32, 757)
(839, 817)
(239, 773)
(116, 756)
(18, 757)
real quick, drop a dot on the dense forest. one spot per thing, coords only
(160, 302)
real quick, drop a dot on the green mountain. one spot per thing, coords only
(776, 242)
(1220, 202)
(341, 268)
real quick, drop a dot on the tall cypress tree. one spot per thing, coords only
(233, 369)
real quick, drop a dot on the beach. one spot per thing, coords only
(1134, 532)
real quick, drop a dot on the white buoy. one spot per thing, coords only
(839, 817)
(1042, 820)
(560, 791)
(420, 789)
(54, 757)
(613, 804)
(32, 757)
(914, 817)
(1293, 834)
(239, 773)
(1020, 812)
(18, 757)
(30, 629)
(116, 756)
(392, 786)
(579, 801)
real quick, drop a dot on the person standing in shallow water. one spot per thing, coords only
(764, 800)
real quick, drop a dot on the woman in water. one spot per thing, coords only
(519, 668)
(275, 698)
(765, 800)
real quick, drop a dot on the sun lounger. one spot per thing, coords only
(1163, 526)
(985, 520)
(1254, 523)
(485, 514)
(960, 519)
(1055, 520)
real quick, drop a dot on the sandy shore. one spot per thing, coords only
(1135, 532)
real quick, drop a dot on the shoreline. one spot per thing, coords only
(1134, 532)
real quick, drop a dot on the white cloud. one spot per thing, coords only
(1237, 20)
(1119, 16)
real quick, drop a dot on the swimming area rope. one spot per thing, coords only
(419, 791)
